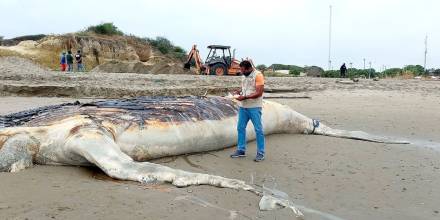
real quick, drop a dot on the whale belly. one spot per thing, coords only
(183, 138)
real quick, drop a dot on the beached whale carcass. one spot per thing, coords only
(118, 136)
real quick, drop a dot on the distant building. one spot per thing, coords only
(434, 72)
(282, 71)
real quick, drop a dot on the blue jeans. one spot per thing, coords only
(244, 115)
(70, 67)
(80, 67)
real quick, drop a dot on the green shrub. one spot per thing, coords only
(261, 67)
(286, 67)
(165, 46)
(162, 44)
(392, 72)
(178, 49)
(352, 73)
(294, 72)
(331, 74)
(416, 70)
(105, 29)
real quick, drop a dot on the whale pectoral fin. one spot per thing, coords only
(101, 150)
(16, 153)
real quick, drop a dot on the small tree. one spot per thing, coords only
(105, 29)
(261, 67)
(165, 46)
(162, 44)
(331, 74)
(392, 72)
(294, 72)
(416, 70)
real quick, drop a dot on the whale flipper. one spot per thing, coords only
(100, 149)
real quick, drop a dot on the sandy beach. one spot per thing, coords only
(346, 178)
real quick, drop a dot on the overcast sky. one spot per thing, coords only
(385, 32)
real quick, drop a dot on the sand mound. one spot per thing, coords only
(160, 66)
(115, 66)
(28, 44)
(20, 66)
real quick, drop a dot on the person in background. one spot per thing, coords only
(343, 70)
(79, 61)
(63, 61)
(69, 59)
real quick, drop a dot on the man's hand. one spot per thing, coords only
(241, 98)
(256, 94)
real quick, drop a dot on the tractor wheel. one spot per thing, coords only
(218, 69)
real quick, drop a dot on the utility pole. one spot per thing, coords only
(426, 52)
(364, 63)
(330, 39)
(369, 71)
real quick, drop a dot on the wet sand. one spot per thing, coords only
(347, 178)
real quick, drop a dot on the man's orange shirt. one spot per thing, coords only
(259, 79)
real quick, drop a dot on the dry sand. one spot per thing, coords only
(347, 178)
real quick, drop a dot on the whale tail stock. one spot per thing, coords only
(321, 129)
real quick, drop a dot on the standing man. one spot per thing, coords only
(69, 59)
(343, 70)
(251, 102)
(79, 61)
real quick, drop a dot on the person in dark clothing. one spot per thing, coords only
(79, 61)
(69, 59)
(343, 70)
